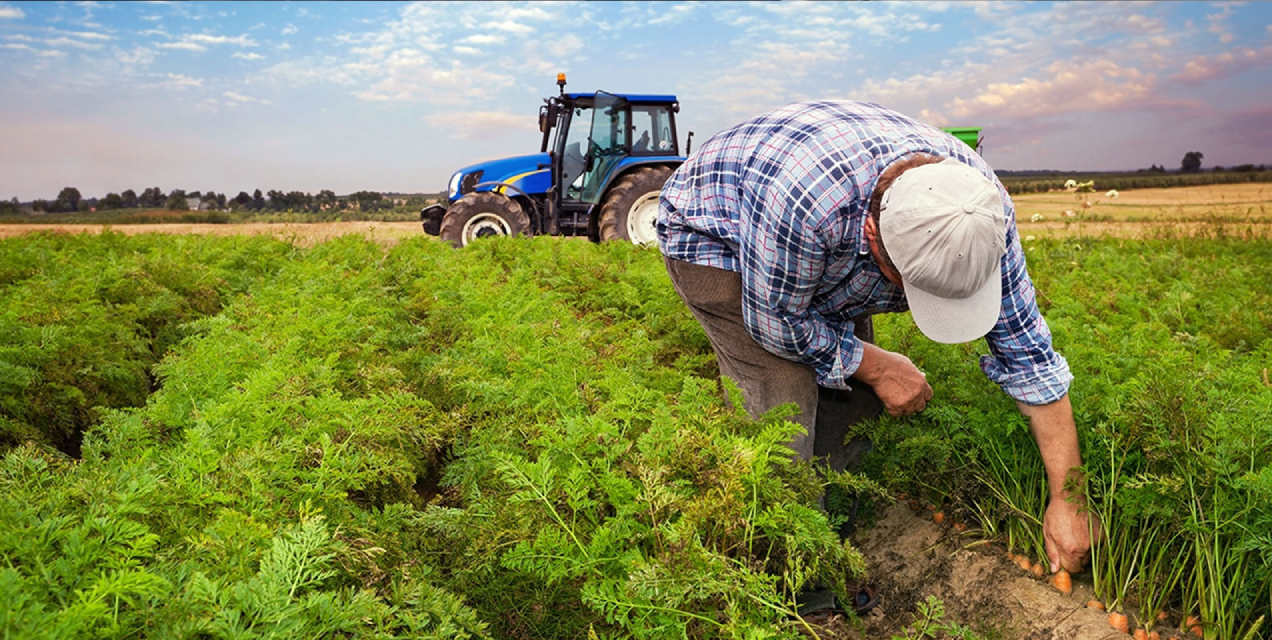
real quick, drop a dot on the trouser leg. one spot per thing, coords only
(766, 380)
(714, 296)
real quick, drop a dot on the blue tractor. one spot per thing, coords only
(600, 178)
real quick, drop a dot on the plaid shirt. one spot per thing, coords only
(782, 199)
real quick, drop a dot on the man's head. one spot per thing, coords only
(939, 227)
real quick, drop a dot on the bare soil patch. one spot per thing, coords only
(910, 558)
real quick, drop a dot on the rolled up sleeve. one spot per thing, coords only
(1022, 360)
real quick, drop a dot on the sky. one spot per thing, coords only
(394, 96)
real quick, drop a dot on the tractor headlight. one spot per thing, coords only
(452, 188)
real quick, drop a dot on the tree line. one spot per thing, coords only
(70, 200)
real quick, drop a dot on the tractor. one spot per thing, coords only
(600, 178)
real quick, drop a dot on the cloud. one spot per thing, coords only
(203, 38)
(185, 46)
(238, 99)
(1230, 63)
(483, 38)
(411, 76)
(482, 125)
(88, 35)
(512, 27)
(466, 50)
(16, 47)
(288, 30)
(178, 81)
(11, 13)
(247, 56)
(139, 55)
(67, 42)
(19, 37)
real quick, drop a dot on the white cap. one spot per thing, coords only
(944, 227)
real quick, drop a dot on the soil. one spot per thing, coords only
(910, 558)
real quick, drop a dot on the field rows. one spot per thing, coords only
(242, 437)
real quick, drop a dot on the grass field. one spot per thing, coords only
(290, 434)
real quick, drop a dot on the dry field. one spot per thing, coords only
(1232, 209)
(1244, 210)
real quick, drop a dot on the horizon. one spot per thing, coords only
(394, 97)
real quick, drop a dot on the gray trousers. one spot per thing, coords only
(766, 380)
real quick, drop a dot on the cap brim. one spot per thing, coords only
(957, 320)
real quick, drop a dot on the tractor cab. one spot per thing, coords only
(602, 162)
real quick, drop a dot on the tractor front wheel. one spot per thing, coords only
(483, 215)
(630, 211)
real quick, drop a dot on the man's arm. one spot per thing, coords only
(1066, 534)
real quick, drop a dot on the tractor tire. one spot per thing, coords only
(483, 215)
(630, 211)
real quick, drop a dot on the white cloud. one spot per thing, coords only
(288, 30)
(11, 13)
(247, 56)
(466, 50)
(512, 27)
(152, 18)
(482, 125)
(239, 98)
(203, 38)
(185, 46)
(282, 47)
(67, 42)
(88, 35)
(16, 47)
(139, 55)
(19, 37)
(483, 38)
(178, 81)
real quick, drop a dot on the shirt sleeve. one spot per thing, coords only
(783, 255)
(1022, 360)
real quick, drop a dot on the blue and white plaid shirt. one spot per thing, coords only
(783, 198)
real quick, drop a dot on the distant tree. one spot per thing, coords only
(220, 201)
(130, 198)
(276, 200)
(195, 194)
(177, 201)
(1191, 162)
(325, 199)
(152, 197)
(68, 199)
(242, 200)
(368, 200)
(40, 206)
(111, 201)
(258, 201)
(10, 207)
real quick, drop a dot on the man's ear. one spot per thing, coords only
(872, 234)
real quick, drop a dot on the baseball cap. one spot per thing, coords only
(944, 227)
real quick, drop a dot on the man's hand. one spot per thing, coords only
(1066, 535)
(1065, 532)
(903, 389)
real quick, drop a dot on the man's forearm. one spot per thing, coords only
(1057, 436)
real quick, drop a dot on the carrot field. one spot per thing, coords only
(233, 436)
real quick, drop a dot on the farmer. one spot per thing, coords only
(785, 233)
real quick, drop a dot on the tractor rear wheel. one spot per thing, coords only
(483, 215)
(630, 211)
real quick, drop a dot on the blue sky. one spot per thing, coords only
(107, 96)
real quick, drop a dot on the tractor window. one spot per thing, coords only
(609, 144)
(574, 153)
(651, 131)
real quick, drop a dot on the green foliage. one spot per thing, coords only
(525, 439)
(1168, 341)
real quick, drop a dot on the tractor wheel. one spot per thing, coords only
(483, 215)
(631, 208)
